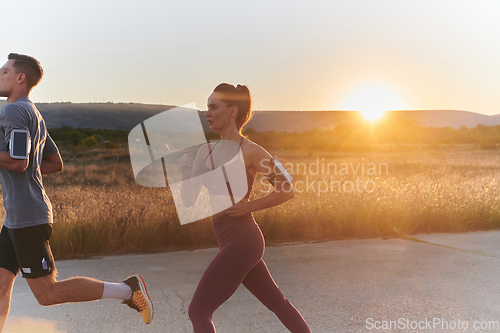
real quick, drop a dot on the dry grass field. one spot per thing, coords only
(98, 207)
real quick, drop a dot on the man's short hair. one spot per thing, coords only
(29, 66)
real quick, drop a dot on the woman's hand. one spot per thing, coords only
(241, 208)
(186, 164)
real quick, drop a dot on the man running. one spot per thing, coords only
(27, 228)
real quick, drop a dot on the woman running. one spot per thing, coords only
(239, 238)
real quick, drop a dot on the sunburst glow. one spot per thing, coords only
(372, 100)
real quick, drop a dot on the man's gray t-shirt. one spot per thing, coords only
(24, 198)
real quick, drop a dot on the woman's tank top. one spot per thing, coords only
(214, 189)
(225, 225)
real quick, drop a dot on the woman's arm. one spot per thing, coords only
(260, 161)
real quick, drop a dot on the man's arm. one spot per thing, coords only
(51, 164)
(12, 164)
(51, 160)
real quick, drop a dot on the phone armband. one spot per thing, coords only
(20, 144)
(281, 173)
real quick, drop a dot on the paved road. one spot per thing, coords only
(338, 286)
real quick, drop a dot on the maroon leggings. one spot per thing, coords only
(239, 261)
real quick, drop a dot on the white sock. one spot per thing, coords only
(116, 290)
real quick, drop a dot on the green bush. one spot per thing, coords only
(89, 141)
(75, 137)
(112, 145)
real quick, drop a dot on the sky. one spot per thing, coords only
(361, 55)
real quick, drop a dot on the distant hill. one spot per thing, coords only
(126, 116)
(291, 121)
(122, 116)
(298, 121)
(449, 118)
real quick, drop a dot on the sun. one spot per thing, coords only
(372, 100)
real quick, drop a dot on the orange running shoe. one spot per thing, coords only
(140, 300)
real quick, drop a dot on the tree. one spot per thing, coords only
(89, 141)
(75, 137)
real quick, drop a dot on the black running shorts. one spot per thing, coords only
(27, 250)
